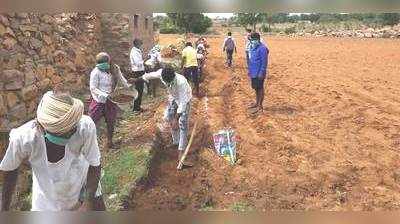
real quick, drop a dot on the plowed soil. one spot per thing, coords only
(328, 138)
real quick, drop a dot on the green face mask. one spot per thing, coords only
(103, 66)
(56, 139)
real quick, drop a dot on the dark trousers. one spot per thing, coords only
(192, 74)
(229, 57)
(139, 85)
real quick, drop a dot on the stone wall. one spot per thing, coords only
(116, 39)
(143, 29)
(118, 32)
(40, 51)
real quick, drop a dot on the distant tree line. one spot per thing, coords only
(183, 23)
(252, 19)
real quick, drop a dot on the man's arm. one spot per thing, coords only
(152, 75)
(263, 67)
(9, 183)
(94, 84)
(93, 180)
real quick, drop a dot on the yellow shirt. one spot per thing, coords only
(191, 56)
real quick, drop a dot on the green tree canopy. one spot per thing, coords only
(190, 22)
(250, 19)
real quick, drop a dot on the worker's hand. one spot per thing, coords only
(175, 123)
(85, 207)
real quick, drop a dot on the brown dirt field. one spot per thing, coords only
(328, 138)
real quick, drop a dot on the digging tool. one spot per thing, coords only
(180, 164)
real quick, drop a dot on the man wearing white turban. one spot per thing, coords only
(61, 147)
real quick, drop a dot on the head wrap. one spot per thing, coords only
(102, 57)
(57, 115)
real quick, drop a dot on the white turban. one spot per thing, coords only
(57, 115)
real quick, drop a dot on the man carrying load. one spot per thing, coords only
(103, 81)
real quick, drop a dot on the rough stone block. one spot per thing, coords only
(41, 72)
(29, 76)
(25, 28)
(17, 113)
(4, 125)
(4, 20)
(3, 29)
(29, 92)
(12, 99)
(13, 79)
(35, 43)
(44, 84)
(47, 39)
(9, 43)
(31, 107)
(3, 107)
(56, 80)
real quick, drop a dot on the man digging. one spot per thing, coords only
(178, 108)
(62, 150)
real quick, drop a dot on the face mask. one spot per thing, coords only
(56, 139)
(254, 43)
(103, 66)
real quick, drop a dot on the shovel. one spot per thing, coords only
(180, 164)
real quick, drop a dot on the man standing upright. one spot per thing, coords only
(257, 69)
(189, 65)
(137, 65)
(228, 47)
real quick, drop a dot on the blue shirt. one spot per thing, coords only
(258, 61)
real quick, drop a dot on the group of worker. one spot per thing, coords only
(61, 143)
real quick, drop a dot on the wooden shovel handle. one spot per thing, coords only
(180, 164)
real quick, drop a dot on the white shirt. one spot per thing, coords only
(56, 186)
(136, 57)
(155, 56)
(180, 91)
(101, 84)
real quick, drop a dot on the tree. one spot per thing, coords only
(190, 22)
(250, 19)
(390, 18)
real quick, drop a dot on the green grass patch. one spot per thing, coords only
(241, 207)
(122, 170)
